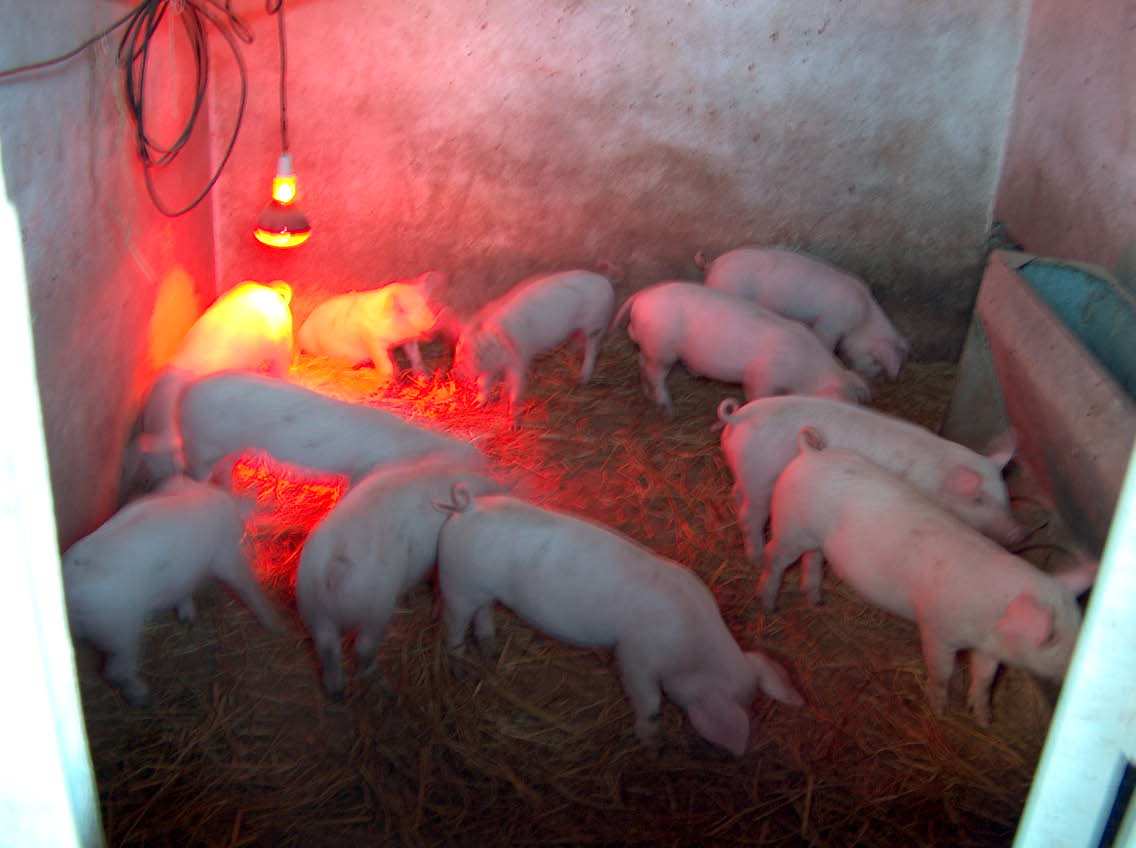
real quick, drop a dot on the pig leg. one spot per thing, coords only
(329, 648)
(655, 376)
(643, 691)
(940, 660)
(121, 668)
(982, 670)
(484, 630)
(753, 512)
(415, 357)
(485, 384)
(782, 551)
(370, 636)
(757, 381)
(643, 382)
(327, 640)
(235, 573)
(385, 368)
(456, 617)
(515, 379)
(829, 329)
(591, 350)
(186, 611)
(812, 568)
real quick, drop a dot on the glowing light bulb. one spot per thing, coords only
(284, 189)
(281, 224)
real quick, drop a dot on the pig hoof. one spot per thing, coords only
(938, 703)
(272, 623)
(333, 686)
(460, 668)
(186, 612)
(647, 727)
(815, 601)
(136, 694)
(981, 713)
(373, 676)
(488, 648)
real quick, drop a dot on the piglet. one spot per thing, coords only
(760, 439)
(248, 328)
(369, 325)
(587, 585)
(838, 306)
(378, 542)
(151, 556)
(224, 415)
(904, 553)
(727, 338)
(536, 315)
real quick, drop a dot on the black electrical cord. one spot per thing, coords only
(133, 57)
(276, 7)
(35, 66)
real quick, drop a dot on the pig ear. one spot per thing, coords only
(1025, 625)
(963, 481)
(1079, 578)
(720, 721)
(283, 290)
(1001, 448)
(773, 680)
(810, 439)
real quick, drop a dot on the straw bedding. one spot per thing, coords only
(536, 745)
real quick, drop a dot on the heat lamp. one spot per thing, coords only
(281, 223)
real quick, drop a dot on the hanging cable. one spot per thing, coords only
(56, 60)
(141, 23)
(276, 7)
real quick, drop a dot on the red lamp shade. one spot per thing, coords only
(281, 224)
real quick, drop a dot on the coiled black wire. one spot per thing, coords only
(141, 23)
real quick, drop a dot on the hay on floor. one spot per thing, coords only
(536, 746)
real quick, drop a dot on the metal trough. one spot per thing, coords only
(1051, 351)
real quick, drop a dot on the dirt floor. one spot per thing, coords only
(241, 746)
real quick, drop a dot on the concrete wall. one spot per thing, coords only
(1068, 187)
(112, 283)
(496, 139)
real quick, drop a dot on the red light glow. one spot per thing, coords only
(289, 504)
